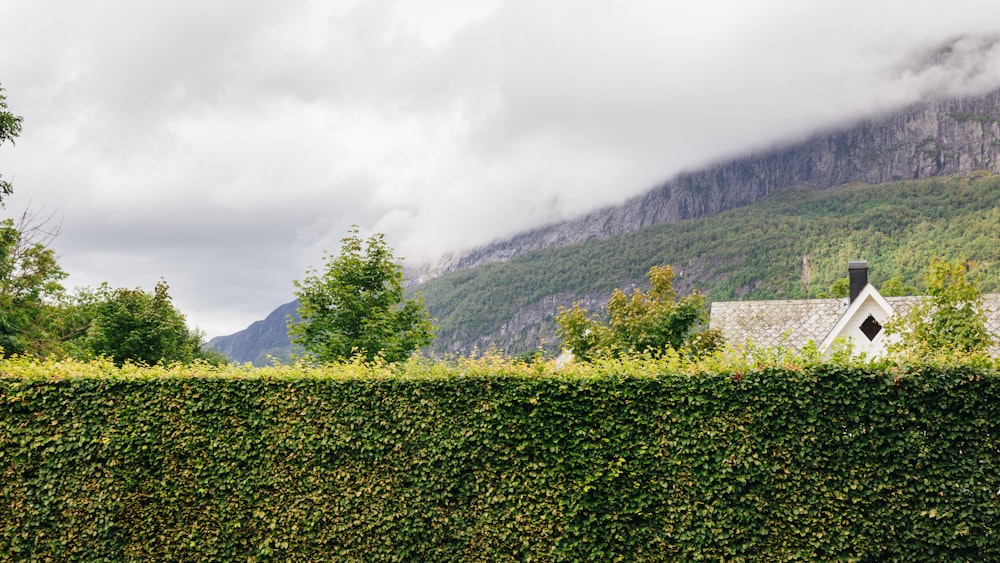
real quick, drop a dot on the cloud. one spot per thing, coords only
(225, 145)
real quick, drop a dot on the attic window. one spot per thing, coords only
(871, 327)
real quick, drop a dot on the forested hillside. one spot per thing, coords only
(793, 244)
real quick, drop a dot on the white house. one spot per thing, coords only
(859, 319)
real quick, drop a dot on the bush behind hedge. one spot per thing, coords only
(820, 463)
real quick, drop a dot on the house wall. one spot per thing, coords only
(852, 330)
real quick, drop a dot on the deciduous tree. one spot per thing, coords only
(950, 320)
(10, 128)
(132, 325)
(642, 323)
(894, 287)
(357, 306)
(30, 285)
(31, 293)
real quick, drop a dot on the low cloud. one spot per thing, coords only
(224, 146)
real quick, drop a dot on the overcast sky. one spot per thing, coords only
(224, 145)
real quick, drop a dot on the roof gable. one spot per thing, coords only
(862, 323)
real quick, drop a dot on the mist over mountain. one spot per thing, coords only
(937, 138)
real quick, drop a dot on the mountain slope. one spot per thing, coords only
(793, 244)
(260, 341)
(936, 138)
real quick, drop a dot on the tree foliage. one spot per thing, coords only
(951, 320)
(894, 287)
(640, 323)
(38, 318)
(29, 273)
(841, 287)
(30, 285)
(132, 325)
(10, 128)
(357, 306)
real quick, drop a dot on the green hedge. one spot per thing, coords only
(823, 463)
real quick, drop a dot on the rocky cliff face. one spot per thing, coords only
(931, 139)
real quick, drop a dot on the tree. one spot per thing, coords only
(357, 306)
(131, 325)
(643, 323)
(10, 128)
(950, 320)
(38, 318)
(30, 285)
(32, 317)
(894, 287)
(840, 287)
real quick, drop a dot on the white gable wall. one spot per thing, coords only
(848, 328)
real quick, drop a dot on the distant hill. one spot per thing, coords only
(262, 341)
(505, 295)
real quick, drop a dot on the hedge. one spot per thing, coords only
(822, 463)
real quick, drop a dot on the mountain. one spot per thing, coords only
(506, 294)
(262, 340)
(792, 244)
(936, 138)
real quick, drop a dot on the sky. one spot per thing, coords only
(224, 146)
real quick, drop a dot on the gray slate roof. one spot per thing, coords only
(793, 323)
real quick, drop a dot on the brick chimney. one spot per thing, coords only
(858, 272)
